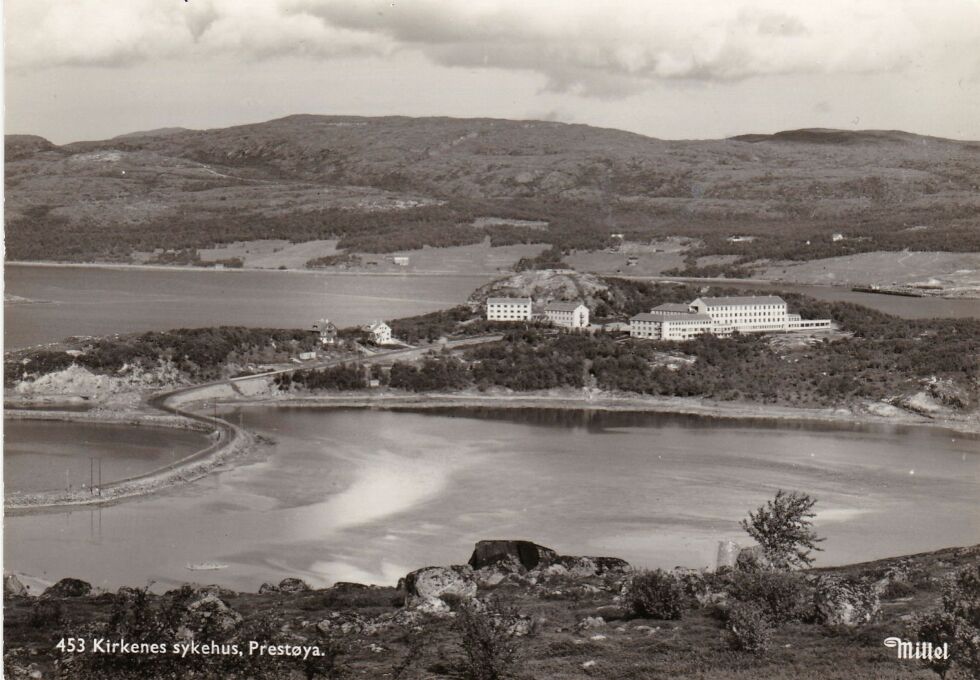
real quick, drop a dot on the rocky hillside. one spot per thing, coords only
(435, 177)
(515, 608)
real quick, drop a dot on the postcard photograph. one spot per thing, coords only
(498, 339)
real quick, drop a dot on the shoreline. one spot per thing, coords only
(231, 441)
(236, 270)
(608, 402)
(122, 266)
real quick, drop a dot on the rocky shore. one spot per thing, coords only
(561, 616)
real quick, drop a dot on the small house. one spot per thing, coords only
(326, 331)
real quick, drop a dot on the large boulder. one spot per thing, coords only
(529, 555)
(12, 587)
(434, 582)
(293, 585)
(210, 613)
(845, 603)
(69, 587)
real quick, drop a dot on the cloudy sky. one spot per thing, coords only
(674, 69)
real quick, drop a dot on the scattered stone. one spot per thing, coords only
(588, 664)
(267, 588)
(433, 606)
(346, 623)
(293, 585)
(590, 622)
(12, 587)
(597, 637)
(68, 587)
(845, 603)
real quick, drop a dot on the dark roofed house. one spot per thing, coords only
(326, 330)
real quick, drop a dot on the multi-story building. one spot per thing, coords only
(669, 326)
(567, 314)
(747, 314)
(508, 309)
(380, 332)
(720, 316)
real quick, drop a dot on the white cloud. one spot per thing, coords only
(602, 49)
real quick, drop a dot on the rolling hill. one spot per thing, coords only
(380, 184)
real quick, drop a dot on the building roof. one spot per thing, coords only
(563, 306)
(508, 300)
(743, 300)
(670, 317)
(672, 307)
(375, 325)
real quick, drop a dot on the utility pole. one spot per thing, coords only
(91, 475)
(100, 476)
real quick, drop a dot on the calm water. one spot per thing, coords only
(369, 495)
(43, 455)
(94, 301)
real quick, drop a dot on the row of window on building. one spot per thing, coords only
(566, 314)
(720, 316)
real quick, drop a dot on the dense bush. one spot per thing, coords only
(750, 628)
(199, 353)
(486, 640)
(655, 594)
(432, 374)
(784, 596)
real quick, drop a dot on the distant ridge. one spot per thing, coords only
(158, 132)
(834, 136)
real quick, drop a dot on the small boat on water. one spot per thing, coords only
(206, 566)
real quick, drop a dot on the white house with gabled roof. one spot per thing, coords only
(567, 314)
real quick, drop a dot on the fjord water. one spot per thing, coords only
(44, 455)
(367, 495)
(100, 301)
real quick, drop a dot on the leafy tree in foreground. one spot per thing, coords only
(784, 529)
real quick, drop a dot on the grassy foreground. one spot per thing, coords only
(565, 637)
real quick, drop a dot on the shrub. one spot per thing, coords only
(784, 596)
(750, 628)
(784, 529)
(47, 614)
(487, 641)
(957, 624)
(897, 589)
(655, 594)
(939, 628)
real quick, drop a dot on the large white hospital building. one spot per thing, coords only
(720, 316)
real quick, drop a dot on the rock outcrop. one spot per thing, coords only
(838, 602)
(68, 587)
(12, 587)
(529, 555)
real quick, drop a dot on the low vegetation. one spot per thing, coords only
(197, 353)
